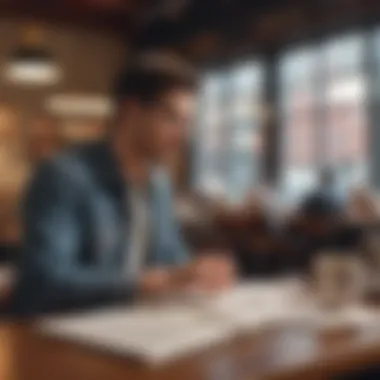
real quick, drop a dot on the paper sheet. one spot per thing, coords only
(153, 335)
(157, 334)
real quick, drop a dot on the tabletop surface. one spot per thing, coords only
(286, 353)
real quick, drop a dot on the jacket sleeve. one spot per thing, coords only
(179, 250)
(53, 237)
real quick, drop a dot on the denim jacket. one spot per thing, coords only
(76, 232)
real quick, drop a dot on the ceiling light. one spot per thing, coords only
(79, 105)
(31, 63)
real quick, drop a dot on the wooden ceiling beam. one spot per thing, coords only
(118, 17)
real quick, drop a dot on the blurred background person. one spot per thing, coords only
(316, 227)
(363, 207)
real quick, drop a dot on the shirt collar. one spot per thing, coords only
(109, 173)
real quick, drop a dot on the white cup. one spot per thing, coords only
(340, 279)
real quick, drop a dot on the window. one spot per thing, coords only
(324, 124)
(298, 99)
(346, 117)
(245, 134)
(228, 138)
(209, 139)
(323, 113)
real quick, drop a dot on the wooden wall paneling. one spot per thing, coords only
(89, 61)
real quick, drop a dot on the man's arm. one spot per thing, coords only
(179, 248)
(53, 242)
(179, 251)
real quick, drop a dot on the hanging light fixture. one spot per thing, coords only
(31, 63)
(79, 105)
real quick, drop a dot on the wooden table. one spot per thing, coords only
(289, 353)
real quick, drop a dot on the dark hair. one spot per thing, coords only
(327, 176)
(321, 205)
(151, 76)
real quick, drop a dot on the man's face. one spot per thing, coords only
(165, 124)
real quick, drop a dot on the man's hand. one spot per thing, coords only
(155, 282)
(213, 271)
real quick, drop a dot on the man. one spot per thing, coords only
(100, 223)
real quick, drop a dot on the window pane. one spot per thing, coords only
(344, 55)
(245, 135)
(345, 100)
(228, 140)
(298, 101)
(209, 138)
